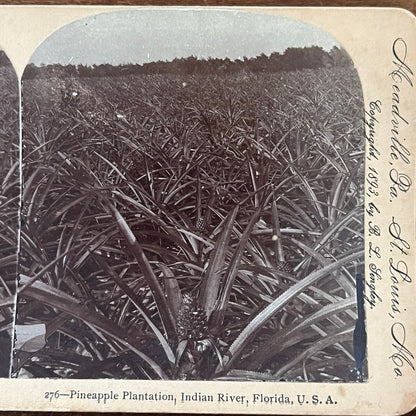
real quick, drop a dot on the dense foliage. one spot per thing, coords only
(193, 226)
(9, 204)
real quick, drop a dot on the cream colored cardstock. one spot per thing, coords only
(382, 44)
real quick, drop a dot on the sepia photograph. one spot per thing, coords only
(9, 205)
(192, 201)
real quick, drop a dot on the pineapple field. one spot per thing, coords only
(192, 227)
(9, 204)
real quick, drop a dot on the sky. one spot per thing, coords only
(139, 36)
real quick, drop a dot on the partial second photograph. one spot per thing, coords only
(192, 201)
(9, 206)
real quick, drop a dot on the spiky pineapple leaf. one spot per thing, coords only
(212, 278)
(258, 321)
(66, 303)
(147, 270)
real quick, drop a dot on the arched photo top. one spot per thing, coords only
(197, 177)
(141, 37)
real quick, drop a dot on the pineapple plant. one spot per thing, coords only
(126, 232)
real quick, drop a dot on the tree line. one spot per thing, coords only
(292, 59)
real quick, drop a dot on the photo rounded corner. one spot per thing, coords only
(408, 13)
(408, 408)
